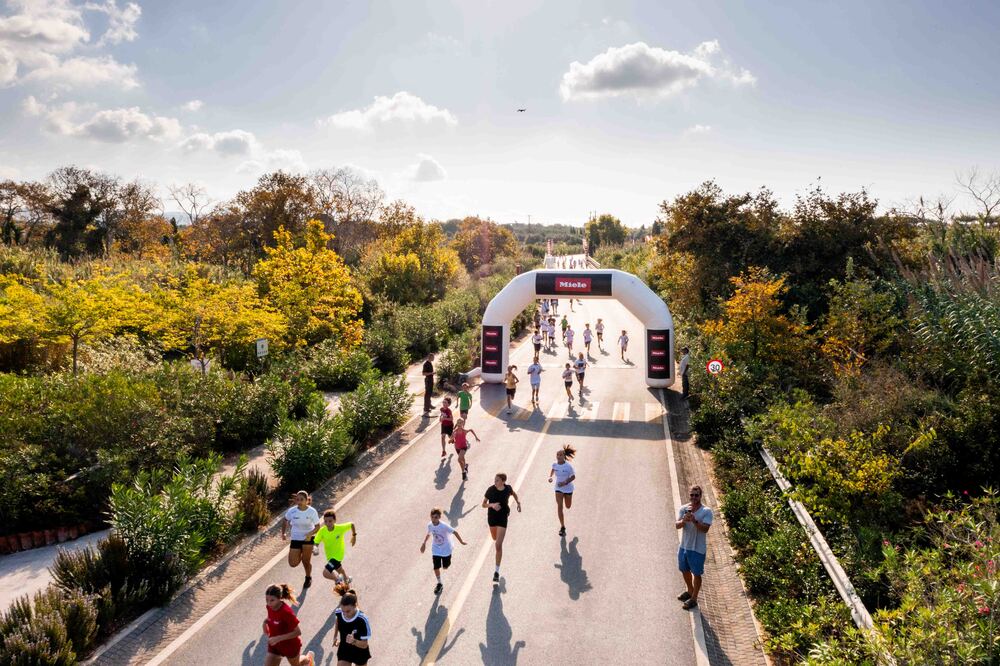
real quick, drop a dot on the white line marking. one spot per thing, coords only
(592, 411)
(621, 412)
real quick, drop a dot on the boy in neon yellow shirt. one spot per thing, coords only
(331, 535)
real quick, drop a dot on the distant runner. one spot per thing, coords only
(351, 630)
(564, 324)
(580, 366)
(565, 476)
(331, 535)
(496, 501)
(510, 381)
(464, 400)
(461, 441)
(587, 337)
(535, 375)
(536, 341)
(567, 376)
(441, 545)
(282, 628)
(304, 521)
(447, 423)
(569, 334)
(552, 331)
(623, 343)
(599, 329)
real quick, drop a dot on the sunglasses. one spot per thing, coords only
(695, 495)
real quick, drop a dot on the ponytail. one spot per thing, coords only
(569, 451)
(283, 592)
(347, 594)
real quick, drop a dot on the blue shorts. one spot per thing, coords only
(691, 560)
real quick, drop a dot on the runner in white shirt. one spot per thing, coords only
(580, 367)
(587, 337)
(623, 343)
(567, 376)
(536, 340)
(599, 329)
(570, 334)
(305, 522)
(565, 476)
(535, 373)
(441, 545)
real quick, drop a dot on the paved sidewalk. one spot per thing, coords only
(731, 634)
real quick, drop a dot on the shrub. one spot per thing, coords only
(377, 403)
(253, 494)
(461, 355)
(304, 454)
(423, 329)
(53, 627)
(386, 348)
(332, 368)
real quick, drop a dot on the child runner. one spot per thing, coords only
(623, 343)
(564, 482)
(545, 307)
(441, 545)
(567, 376)
(461, 441)
(464, 400)
(304, 521)
(536, 340)
(569, 334)
(552, 331)
(447, 423)
(555, 306)
(580, 365)
(587, 337)
(282, 628)
(535, 374)
(496, 501)
(331, 535)
(351, 630)
(564, 324)
(510, 381)
(599, 329)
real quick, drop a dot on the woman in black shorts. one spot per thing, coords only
(351, 629)
(496, 502)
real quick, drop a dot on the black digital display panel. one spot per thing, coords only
(658, 362)
(569, 284)
(492, 349)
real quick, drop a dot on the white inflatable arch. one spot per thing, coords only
(629, 290)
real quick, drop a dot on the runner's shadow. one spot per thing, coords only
(255, 652)
(316, 642)
(571, 569)
(454, 511)
(432, 626)
(442, 473)
(497, 649)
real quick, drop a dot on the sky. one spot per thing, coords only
(627, 103)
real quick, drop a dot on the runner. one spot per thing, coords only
(623, 343)
(580, 366)
(545, 332)
(304, 521)
(552, 331)
(510, 381)
(569, 334)
(496, 502)
(461, 441)
(282, 628)
(536, 340)
(599, 329)
(464, 400)
(331, 535)
(545, 307)
(564, 324)
(535, 374)
(555, 306)
(441, 546)
(564, 483)
(567, 376)
(587, 338)
(447, 423)
(571, 309)
(351, 630)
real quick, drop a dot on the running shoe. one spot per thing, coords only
(349, 580)
(307, 582)
(465, 476)
(684, 596)
(562, 531)
(496, 576)
(689, 604)
(310, 658)
(443, 454)
(438, 588)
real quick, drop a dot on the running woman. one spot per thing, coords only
(536, 340)
(564, 324)
(304, 521)
(569, 334)
(331, 535)
(510, 381)
(565, 476)
(545, 307)
(599, 329)
(461, 441)
(587, 337)
(447, 423)
(464, 400)
(441, 545)
(552, 331)
(580, 366)
(623, 343)
(351, 630)
(567, 376)
(496, 501)
(535, 374)
(282, 628)
(555, 306)
(545, 332)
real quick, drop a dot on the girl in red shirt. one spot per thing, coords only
(282, 628)
(460, 437)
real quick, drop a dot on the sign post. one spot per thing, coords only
(261, 347)
(714, 366)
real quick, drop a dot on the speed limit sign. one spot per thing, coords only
(714, 366)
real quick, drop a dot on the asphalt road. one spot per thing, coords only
(604, 594)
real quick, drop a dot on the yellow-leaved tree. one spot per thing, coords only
(311, 287)
(22, 310)
(414, 266)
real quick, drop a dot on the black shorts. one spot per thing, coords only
(441, 561)
(463, 413)
(569, 384)
(496, 519)
(600, 336)
(447, 428)
(538, 346)
(511, 392)
(333, 564)
(296, 544)
(352, 654)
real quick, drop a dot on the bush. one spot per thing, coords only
(377, 403)
(461, 355)
(306, 453)
(55, 627)
(386, 348)
(336, 369)
(253, 494)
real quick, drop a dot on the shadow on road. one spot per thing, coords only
(571, 569)
(254, 652)
(432, 626)
(498, 649)
(316, 642)
(442, 473)
(455, 511)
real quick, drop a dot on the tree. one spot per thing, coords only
(605, 230)
(415, 266)
(312, 288)
(348, 203)
(87, 211)
(191, 199)
(479, 242)
(984, 190)
(21, 310)
(278, 200)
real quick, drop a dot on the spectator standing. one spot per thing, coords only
(685, 361)
(428, 383)
(694, 518)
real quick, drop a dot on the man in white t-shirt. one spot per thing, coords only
(535, 374)
(587, 337)
(441, 547)
(304, 522)
(695, 519)
(570, 334)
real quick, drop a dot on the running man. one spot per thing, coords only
(623, 343)
(282, 628)
(351, 630)
(510, 381)
(461, 441)
(587, 337)
(564, 324)
(599, 329)
(331, 535)
(441, 545)
(304, 521)
(569, 334)
(580, 366)
(535, 375)
(565, 476)
(536, 340)
(447, 423)
(567, 376)
(552, 331)
(464, 400)
(496, 501)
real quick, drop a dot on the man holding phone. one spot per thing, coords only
(695, 519)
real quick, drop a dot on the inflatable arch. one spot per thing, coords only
(629, 290)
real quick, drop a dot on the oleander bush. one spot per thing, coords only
(332, 368)
(460, 356)
(304, 454)
(379, 403)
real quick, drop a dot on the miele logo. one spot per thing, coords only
(581, 284)
(657, 352)
(658, 367)
(658, 338)
(492, 334)
(491, 348)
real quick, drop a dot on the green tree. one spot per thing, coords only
(479, 242)
(415, 266)
(605, 230)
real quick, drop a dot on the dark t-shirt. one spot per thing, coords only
(502, 496)
(428, 367)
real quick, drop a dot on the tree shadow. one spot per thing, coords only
(455, 511)
(498, 648)
(571, 569)
(442, 473)
(436, 617)
(316, 642)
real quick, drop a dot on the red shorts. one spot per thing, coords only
(290, 648)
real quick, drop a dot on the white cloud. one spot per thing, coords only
(229, 143)
(107, 125)
(697, 129)
(193, 105)
(9, 172)
(50, 26)
(400, 108)
(121, 21)
(84, 71)
(427, 169)
(646, 71)
(8, 67)
(290, 161)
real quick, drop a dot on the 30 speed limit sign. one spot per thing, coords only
(714, 366)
